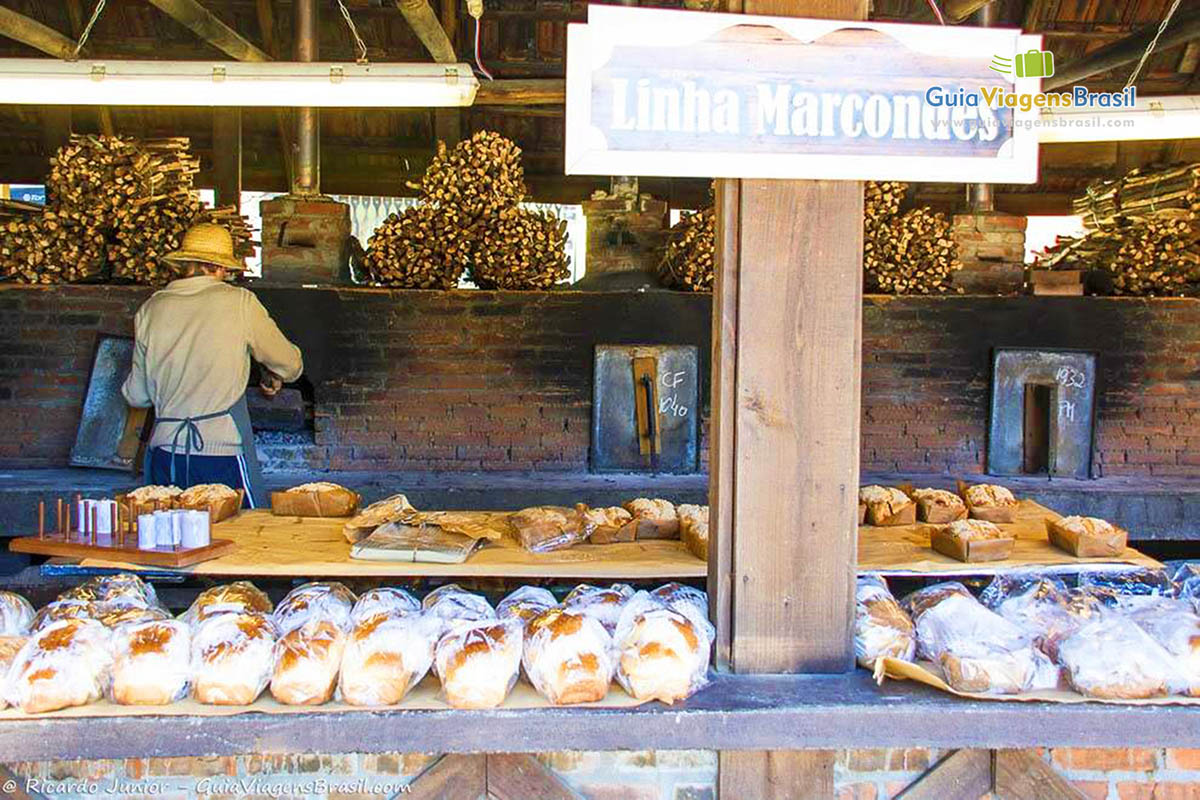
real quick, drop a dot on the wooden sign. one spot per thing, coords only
(693, 94)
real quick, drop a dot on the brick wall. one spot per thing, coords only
(502, 381)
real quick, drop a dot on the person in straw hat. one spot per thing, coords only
(191, 362)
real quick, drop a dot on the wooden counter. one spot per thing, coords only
(267, 545)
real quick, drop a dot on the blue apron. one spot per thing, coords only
(187, 433)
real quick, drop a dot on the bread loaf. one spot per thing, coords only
(16, 614)
(151, 662)
(1178, 632)
(10, 646)
(124, 587)
(232, 658)
(59, 610)
(384, 600)
(239, 596)
(525, 603)
(604, 605)
(568, 657)
(693, 529)
(203, 495)
(990, 502)
(653, 519)
(306, 663)
(386, 655)
(609, 525)
(662, 654)
(319, 499)
(453, 605)
(1087, 537)
(541, 529)
(67, 663)
(478, 663)
(917, 603)
(938, 506)
(881, 628)
(1114, 659)
(887, 506)
(112, 615)
(164, 496)
(321, 600)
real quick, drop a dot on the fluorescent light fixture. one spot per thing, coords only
(1167, 117)
(41, 81)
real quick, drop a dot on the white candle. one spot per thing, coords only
(195, 529)
(147, 535)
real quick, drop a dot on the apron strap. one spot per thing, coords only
(192, 438)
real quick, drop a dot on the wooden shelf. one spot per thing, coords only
(266, 545)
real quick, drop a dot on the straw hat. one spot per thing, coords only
(208, 244)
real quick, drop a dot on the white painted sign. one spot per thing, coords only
(694, 94)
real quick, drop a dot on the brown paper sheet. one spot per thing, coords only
(905, 549)
(931, 675)
(267, 545)
(423, 697)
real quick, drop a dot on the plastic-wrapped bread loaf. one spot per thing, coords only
(151, 662)
(1114, 659)
(693, 529)
(62, 609)
(67, 663)
(232, 657)
(124, 588)
(16, 614)
(306, 663)
(237, 596)
(881, 628)
(10, 646)
(541, 529)
(1042, 607)
(662, 654)
(384, 600)
(568, 657)
(323, 600)
(603, 604)
(386, 654)
(456, 606)
(113, 615)
(917, 603)
(1177, 630)
(478, 663)
(525, 603)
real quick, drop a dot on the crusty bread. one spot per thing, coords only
(693, 529)
(939, 506)
(989, 495)
(974, 530)
(881, 628)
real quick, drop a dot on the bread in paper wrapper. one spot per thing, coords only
(881, 628)
(318, 499)
(306, 663)
(939, 506)
(384, 600)
(525, 603)
(478, 663)
(151, 662)
(989, 502)
(16, 614)
(239, 596)
(979, 651)
(386, 654)
(232, 658)
(887, 506)
(1114, 659)
(568, 657)
(542, 529)
(323, 600)
(603, 604)
(662, 653)
(379, 513)
(67, 663)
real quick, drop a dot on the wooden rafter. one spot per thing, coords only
(420, 17)
(201, 22)
(1184, 27)
(33, 33)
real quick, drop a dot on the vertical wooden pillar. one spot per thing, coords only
(786, 408)
(227, 156)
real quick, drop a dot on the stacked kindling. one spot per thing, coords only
(1143, 237)
(115, 206)
(470, 220)
(909, 253)
(689, 261)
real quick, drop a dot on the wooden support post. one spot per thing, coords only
(786, 405)
(450, 777)
(227, 156)
(962, 775)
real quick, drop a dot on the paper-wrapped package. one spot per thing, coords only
(379, 513)
(604, 604)
(239, 596)
(151, 662)
(478, 663)
(1113, 658)
(67, 663)
(881, 628)
(16, 614)
(322, 600)
(387, 654)
(232, 658)
(661, 653)
(568, 657)
(307, 659)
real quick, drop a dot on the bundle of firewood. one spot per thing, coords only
(519, 249)
(48, 248)
(418, 249)
(478, 176)
(905, 253)
(470, 219)
(1138, 194)
(689, 260)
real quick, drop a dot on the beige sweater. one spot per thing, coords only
(192, 356)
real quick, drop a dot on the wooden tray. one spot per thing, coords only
(971, 551)
(106, 547)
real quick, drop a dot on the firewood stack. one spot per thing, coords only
(905, 253)
(115, 206)
(689, 260)
(1143, 234)
(470, 220)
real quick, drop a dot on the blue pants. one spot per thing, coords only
(229, 470)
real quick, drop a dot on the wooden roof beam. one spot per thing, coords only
(201, 22)
(33, 33)
(420, 17)
(960, 10)
(533, 92)
(1183, 28)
